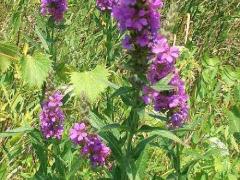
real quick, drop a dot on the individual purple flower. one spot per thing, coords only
(170, 55)
(78, 133)
(104, 5)
(52, 116)
(159, 45)
(55, 8)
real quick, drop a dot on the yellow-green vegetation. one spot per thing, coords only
(88, 45)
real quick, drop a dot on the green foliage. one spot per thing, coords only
(206, 148)
(163, 84)
(91, 83)
(35, 68)
(8, 53)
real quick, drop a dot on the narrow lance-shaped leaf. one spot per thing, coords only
(163, 84)
(16, 131)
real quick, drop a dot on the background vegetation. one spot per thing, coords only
(209, 37)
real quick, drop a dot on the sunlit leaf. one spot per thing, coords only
(8, 51)
(16, 131)
(4, 64)
(35, 69)
(92, 83)
(163, 84)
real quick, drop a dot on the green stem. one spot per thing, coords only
(178, 162)
(129, 145)
(53, 49)
(53, 54)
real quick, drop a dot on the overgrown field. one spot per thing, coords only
(77, 70)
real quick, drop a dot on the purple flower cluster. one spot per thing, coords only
(104, 5)
(92, 145)
(52, 116)
(141, 20)
(175, 100)
(54, 8)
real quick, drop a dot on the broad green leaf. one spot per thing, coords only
(92, 83)
(163, 84)
(4, 63)
(35, 69)
(16, 131)
(8, 51)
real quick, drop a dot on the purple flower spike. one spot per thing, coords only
(96, 150)
(52, 117)
(55, 8)
(141, 20)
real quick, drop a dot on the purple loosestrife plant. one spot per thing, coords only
(54, 8)
(92, 145)
(141, 20)
(52, 116)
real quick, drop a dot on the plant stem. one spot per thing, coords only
(178, 162)
(129, 143)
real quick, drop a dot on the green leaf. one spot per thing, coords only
(42, 38)
(141, 146)
(234, 118)
(110, 127)
(35, 69)
(8, 51)
(13, 132)
(169, 135)
(141, 164)
(163, 84)
(92, 83)
(3, 170)
(234, 125)
(4, 64)
(211, 61)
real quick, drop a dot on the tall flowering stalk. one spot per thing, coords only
(152, 60)
(152, 55)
